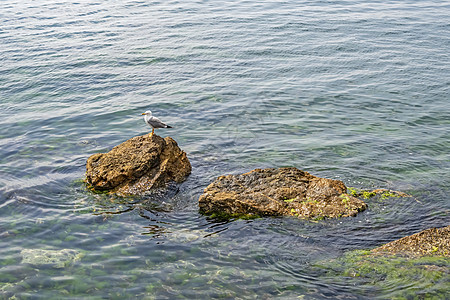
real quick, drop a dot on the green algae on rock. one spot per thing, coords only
(426, 276)
(279, 192)
(383, 193)
(138, 165)
(420, 261)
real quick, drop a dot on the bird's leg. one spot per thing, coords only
(153, 131)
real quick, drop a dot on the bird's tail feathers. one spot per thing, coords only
(167, 126)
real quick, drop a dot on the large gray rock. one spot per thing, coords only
(279, 192)
(138, 165)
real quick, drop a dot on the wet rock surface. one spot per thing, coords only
(433, 241)
(138, 165)
(279, 192)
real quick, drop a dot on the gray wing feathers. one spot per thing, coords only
(156, 123)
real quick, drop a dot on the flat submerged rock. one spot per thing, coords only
(138, 165)
(56, 258)
(279, 192)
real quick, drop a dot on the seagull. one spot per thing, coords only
(154, 122)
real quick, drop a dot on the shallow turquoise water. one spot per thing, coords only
(351, 90)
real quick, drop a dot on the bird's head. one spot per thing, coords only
(148, 113)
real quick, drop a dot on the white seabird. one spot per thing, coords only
(154, 122)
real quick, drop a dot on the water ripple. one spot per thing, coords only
(355, 91)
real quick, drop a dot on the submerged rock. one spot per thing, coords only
(187, 235)
(138, 165)
(433, 241)
(388, 276)
(56, 258)
(279, 192)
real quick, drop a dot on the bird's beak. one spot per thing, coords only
(143, 114)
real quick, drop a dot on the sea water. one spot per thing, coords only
(350, 90)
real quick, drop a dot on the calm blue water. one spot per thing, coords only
(351, 90)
